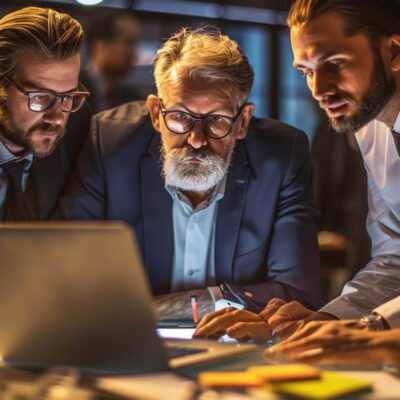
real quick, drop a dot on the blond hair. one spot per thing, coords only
(40, 30)
(204, 55)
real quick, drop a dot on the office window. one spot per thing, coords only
(255, 42)
(296, 105)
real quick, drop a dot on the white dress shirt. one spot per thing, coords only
(390, 311)
(379, 281)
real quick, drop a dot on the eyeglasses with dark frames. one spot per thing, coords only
(214, 126)
(45, 100)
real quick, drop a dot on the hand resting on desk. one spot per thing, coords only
(341, 342)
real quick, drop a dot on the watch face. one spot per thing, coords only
(373, 322)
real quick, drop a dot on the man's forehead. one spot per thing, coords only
(42, 72)
(195, 93)
(321, 38)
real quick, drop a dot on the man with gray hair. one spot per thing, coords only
(218, 199)
(39, 67)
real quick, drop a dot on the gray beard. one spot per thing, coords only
(194, 177)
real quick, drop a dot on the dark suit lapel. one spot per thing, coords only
(157, 220)
(230, 211)
(47, 175)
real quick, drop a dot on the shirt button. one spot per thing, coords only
(190, 272)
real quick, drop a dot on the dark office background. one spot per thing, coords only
(258, 25)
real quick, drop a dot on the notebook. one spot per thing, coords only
(76, 294)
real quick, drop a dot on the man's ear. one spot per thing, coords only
(394, 52)
(244, 120)
(153, 104)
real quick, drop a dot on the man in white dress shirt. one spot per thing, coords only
(349, 53)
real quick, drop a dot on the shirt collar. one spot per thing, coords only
(6, 156)
(215, 195)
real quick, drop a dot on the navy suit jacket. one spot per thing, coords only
(266, 242)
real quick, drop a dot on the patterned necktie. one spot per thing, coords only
(18, 206)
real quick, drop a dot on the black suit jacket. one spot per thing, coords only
(265, 232)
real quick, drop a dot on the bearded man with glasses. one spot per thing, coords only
(39, 67)
(220, 201)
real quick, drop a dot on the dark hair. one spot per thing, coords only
(374, 18)
(103, 27)
(40, 30)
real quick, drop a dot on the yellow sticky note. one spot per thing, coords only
(330, 385)
(229, 379)
(285, 372)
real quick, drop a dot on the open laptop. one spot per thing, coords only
(76, 294)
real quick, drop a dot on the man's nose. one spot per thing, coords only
(197, 138)
(321, 86)
(56, 116)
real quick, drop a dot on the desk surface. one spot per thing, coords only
(163, 386)
(385, 385)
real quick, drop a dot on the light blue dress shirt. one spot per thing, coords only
(5, 157)
(194, 240)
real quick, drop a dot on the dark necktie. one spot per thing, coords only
(18, 206)
(396, 137)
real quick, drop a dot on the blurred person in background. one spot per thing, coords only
(112, 42)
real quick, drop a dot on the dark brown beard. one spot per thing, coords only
(381, 89)
(10, 131)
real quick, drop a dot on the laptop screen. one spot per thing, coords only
(75, 294)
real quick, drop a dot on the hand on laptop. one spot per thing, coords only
(239, 324)
(286, 318)
(279, 317)
(341, 342)
(174, 306)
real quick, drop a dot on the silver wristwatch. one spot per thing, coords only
(374, 322)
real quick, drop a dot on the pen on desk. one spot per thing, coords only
(195, 310)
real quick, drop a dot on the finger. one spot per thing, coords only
(326, 338)
(224, 321)
(354, 324)
(286, 330)
(257, 331)
(313, 341)
(271, 308)
(289, 312)
(343, 355)
(210, 316)
(299, 330)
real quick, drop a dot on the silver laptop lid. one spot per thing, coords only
(75, 294)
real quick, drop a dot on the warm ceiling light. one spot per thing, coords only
(89, 2)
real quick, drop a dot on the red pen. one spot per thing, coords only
(195, 310)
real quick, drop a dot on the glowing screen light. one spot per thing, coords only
(89, 2)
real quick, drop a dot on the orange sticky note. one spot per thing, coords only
(285, 372)
(229, 380)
